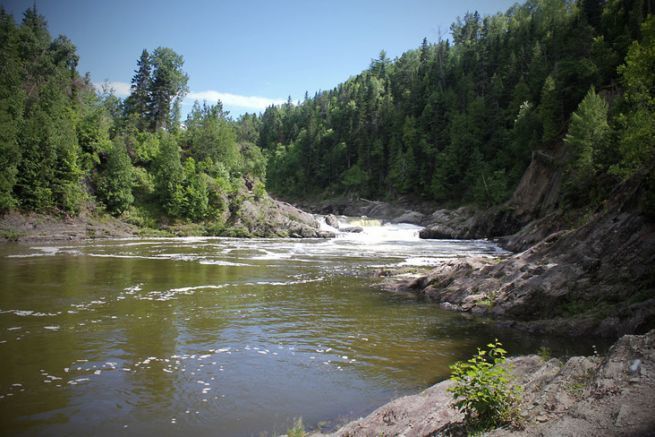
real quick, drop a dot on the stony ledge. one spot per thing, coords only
(584, 396)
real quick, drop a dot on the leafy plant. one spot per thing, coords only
(482, 389)
(297, 430)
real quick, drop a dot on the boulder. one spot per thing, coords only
(332, 220)
(411, 217)
(353, 229)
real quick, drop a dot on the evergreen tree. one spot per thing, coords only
(11, 108)
(168, 84)
(137, 104)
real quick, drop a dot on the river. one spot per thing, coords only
(220, 336)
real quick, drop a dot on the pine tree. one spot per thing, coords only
(168, 83)
(137, 103)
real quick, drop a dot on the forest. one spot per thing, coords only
(457, 121)
(454, 121)
(67, 147)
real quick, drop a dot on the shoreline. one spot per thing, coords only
(585, 395)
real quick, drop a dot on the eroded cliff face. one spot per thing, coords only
(531, 209)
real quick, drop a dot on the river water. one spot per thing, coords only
(219, 336)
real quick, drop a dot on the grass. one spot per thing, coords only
(10, 235)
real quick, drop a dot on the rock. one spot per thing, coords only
(353, 229)
(270, 218)
(411, 217)
(438, 232)
(332, 220)
(547, 406)
(395, 213)
(596, 279)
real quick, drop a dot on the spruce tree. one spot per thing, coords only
(138, 102)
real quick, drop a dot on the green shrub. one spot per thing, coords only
(298, 429)
(545, 353)
(482, 390)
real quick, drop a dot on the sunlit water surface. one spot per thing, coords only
(221, 336)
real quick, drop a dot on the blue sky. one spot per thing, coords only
(248, 53)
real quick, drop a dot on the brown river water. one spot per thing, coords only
(219, 336)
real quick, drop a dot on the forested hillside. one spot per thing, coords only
(66, 148)
(457, 121)
(454, 121)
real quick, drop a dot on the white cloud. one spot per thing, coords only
(228, 99)
(121, 89)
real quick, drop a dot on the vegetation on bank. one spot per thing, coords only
(483, 391)
(455, 121)
(66, 147)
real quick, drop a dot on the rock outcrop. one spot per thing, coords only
(598, 278)
(273, 218)
(265, 217)
(33, 227)
(595, 396)
(384, 211)
(535, 197)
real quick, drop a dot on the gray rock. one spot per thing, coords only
(411, 217)
(557, 400)
(332, 220)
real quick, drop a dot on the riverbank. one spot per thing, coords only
(264, 217)
(585, 395)
(593, 279)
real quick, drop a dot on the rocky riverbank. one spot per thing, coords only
(265, 217)
(591, 396)
(597, 278)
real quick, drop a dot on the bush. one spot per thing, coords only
(298, 429)
(482, 389)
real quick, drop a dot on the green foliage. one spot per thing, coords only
(209, 135)
(297, 430)
(354, 179)
(137, 104)
(544, 353)
(637, 143)
(450, 122)
(11, 103)
(146, 147)
(259, 190)
(196, 195)
(169, 176)
(453, 122)
(167, 87)
(482, 389)
(588, 136)
(116, 180)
